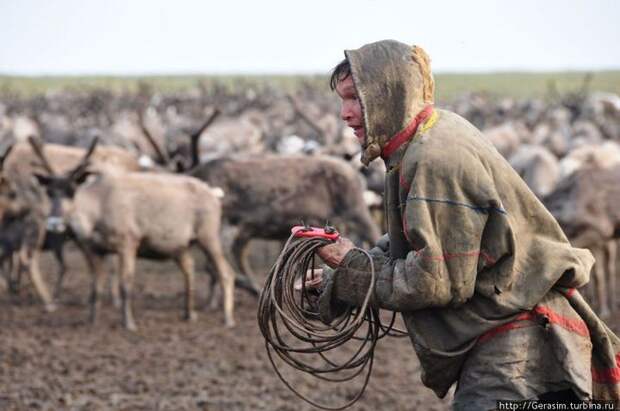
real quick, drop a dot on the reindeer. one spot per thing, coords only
(29, 234)
(538, 167)
(585, 205)
(24, 161)
(21, 233)
(139, 214)
(266, 196)
(595, 157)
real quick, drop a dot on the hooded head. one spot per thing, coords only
(394, 83)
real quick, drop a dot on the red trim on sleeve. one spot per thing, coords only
(405, 228)
(607, 375)
(401, 180)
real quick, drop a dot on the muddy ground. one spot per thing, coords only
(58, 361)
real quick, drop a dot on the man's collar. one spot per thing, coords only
(406, 134)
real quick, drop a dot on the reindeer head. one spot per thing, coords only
(61, 188)
(176, 158)
(10, 204)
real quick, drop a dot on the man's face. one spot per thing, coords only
(351, 109)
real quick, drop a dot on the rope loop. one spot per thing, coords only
(290, 323)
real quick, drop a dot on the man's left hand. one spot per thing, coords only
(313, 280)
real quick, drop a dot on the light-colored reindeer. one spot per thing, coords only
(139, 214)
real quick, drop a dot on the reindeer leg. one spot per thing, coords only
(213, 295)
(240, 250)
(127, 267)
(4, 263)
(39, 284)
(612, 253)
(13, 274)
(62, 269)
(599, 290)
(210, 243)
(186, 264)
(23, 264)
(115, 288)
(96, 263)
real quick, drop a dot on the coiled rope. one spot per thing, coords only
(286, 315)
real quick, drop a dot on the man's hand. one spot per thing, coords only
(312, 284)
(313, 280)
(333, 254)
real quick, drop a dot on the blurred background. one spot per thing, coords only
(540, 79)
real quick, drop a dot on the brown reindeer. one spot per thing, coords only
(265, 197)
(23, 210)
(20, 233)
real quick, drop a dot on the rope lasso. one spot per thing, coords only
(290, 323)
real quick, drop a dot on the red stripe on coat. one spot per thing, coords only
(516, 323)
(576, 326)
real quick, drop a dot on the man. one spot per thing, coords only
(481, 272)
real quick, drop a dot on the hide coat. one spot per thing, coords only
(483, 275)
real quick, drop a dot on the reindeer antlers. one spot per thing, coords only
(72, 174)
(299, 112)
(81, 168)
(6, 155)
(37, 147)
(211, 119)
(195, 136)
(161, 153)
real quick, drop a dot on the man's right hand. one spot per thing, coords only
(334, 253)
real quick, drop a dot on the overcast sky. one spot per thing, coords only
(268, 36)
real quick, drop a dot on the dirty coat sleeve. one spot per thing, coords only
(445, 208)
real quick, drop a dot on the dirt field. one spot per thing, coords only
(59, 362)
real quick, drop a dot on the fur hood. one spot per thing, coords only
(394, 84)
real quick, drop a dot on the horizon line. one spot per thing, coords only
(293, 74)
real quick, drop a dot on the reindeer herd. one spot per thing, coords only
(109, 201)
(151, 176)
